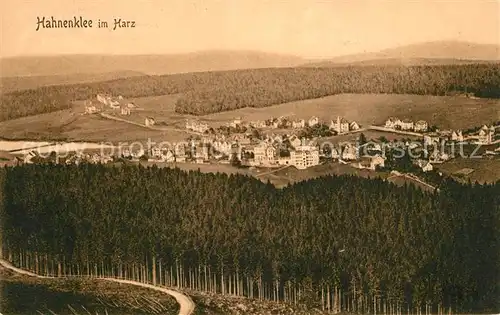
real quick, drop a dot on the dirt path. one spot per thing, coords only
(272, 171)
(157, 128)
(186, 304)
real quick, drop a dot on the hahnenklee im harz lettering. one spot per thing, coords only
(76, 22)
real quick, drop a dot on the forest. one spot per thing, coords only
(335, 242)
(211, 92)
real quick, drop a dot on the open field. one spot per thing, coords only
(444, 111)
(70, 124)
(401, 180)
(485, 170)
(369, 134)
(291, 175)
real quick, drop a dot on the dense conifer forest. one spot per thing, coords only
(337, 243)
(209, 92)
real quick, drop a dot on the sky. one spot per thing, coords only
(311, 29)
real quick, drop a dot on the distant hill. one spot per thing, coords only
(148, 64)
(9, 84)
(433, 53)
(401, 62)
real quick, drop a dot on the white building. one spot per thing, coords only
(370, 162)
(486, 135)
(223, 147)
(180, 152)
(313, 121)
(196, 126)
(392, 122)
(91, 109)
(265, 154)
(407, 124)
(421, 126)
(236, 122)
(295, 141)
(340, 125)
(299, 124)
(354, 126)
(149, 121)
(102, 99)
(457, 136)
(426, 166)
(304, 156)
(349, 153)
(125, 111)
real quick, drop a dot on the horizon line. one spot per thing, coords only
(291, 55)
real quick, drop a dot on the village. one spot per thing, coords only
(282, 141)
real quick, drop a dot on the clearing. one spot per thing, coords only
(444, 111)
(447, 112)
(485, 170)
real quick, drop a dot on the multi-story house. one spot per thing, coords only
(407, 124)
(457, 136)
(265, 153)
(295, 141)
(180, 152)
(486, 135)
(90, 109)
(304, 156)
(299, 124)
(421, 126)
(392, 122)
(354, 126)
(149, 121)
(349, 152)
(313, 121)
(340, 125)
(370, 162)
(125, 111)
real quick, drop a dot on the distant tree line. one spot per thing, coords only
(336, 242)
(211, 92)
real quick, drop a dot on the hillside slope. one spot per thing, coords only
(440, 52)
(148, 64)
(10, 84)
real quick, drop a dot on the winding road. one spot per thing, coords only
(186, 304)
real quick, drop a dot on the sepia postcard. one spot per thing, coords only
(287, 157)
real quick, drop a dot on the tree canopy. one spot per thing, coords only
(366, 242)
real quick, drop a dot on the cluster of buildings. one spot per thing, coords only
(196, 126)
(486, 135)
(115, 103)
(269, 155)
(340, 125)
(406, 124)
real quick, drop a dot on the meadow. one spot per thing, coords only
(446, 112)
(486, 170)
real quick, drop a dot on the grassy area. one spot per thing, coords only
(72, 125)
(27, 295)
(291, 175)
(444, 111)
(485, 170)
(366, 109)
(405, 180)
